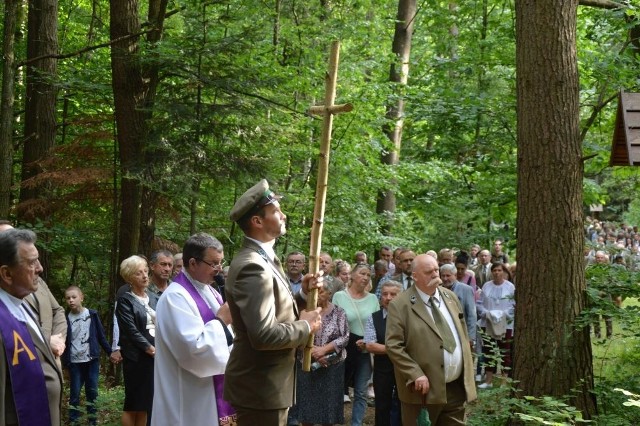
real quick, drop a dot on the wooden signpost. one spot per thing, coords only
(328, 110)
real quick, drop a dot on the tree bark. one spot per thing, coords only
(6, 106)
(153, 158)
(128, 92)
(551, 284)
(399, 73)
(40, 104)
(134, 90)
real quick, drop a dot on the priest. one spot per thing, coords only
(30, 380)
(193, 342)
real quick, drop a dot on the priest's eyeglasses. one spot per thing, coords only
(215, 265)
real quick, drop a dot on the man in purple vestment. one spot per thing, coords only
(30, 380)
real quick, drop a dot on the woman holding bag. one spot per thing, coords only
(359, 304)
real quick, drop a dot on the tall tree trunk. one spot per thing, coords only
(40, 105)
(6, 105)
(399, 74)
(128, 93)
(152, 177)
(134, 90)
(550, 222)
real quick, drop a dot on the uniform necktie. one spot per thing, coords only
(448, 341)
(276, 260)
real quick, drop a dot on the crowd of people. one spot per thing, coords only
(204, 343)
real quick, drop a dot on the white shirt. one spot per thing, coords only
(497, 297)
(452, 361)
(188, 354)
(17, 308)
(405, 281)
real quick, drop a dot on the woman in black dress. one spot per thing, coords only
(135, 311)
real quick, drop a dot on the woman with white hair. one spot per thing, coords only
(135, 311)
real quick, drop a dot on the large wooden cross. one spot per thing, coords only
(328, 110)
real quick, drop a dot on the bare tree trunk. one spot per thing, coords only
(128, 92)
(399, 73)
(6, 106)
(550, 222)
(134, 90)
(40, 105)
(152, 178)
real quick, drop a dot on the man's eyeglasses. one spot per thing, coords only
(215, 265)
(295, 262)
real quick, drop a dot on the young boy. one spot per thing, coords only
(85, 335)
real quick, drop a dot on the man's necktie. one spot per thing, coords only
(448, 341)
(409, 281)
(276, 260)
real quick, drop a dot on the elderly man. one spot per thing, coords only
(427, 343)
(160, 271)
(483, 268)
(178, 264)
(260, 376)
(465, 295)
(295, 270)
(31, 383)
(48, 312)
(192, 341)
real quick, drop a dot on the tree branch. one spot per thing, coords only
(84, 50)
(98, 46)
(602, 4)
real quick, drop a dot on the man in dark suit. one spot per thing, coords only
(427, 343)
(35, 398)
(260, 375)
(483, 268)
(384, 383)
(403, 276)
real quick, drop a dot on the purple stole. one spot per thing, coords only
(27, 379)
(226, 413)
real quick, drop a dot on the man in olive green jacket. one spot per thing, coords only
(424, 369)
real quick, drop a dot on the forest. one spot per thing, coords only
(127, 126)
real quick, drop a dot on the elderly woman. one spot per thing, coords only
(359, 304)
(135, 311)
(319, 392)
(496, 310)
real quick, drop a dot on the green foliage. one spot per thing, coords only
(497, 407)
(236, 78)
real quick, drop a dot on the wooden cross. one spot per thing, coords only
(328, 110)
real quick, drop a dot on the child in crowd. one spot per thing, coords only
(85, 335)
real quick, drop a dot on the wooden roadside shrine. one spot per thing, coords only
(328, 110)
(625, 147)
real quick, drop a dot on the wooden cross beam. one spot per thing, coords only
(328, 110)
